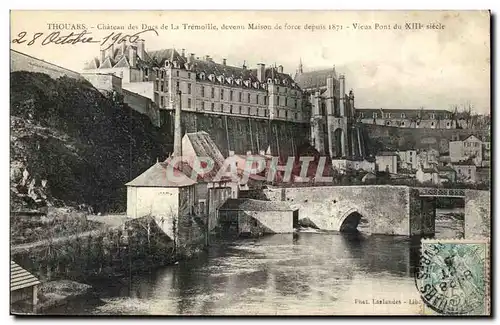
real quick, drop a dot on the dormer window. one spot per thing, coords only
(285, 82)
(374, 115)
(403, 115)
(202, 76)
(221, 79)
(388, 115)
(269, 80)
(433, 116)
(211, 77)
(238, 81)
(361, 115)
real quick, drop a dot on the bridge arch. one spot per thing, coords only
(349, 219)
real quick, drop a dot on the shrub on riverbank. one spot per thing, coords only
(58, 222)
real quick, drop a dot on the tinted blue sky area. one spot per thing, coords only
(387, 67)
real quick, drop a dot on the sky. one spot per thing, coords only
(386, 68)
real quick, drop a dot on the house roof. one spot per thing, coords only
(254, 205)
(445, 169)
(162, 174)
(20, 278)
(204, 146)
(472, 137)
(315, 79)
(468, 162)
(387, 153)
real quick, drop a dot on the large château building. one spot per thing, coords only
(206, 86)
(316, 100)
(408, 118)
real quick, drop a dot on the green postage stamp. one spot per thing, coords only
(453, 277)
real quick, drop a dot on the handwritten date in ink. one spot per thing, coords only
(72, 38)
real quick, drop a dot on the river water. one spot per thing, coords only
(306, 273)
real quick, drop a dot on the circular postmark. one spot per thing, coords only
(451, 278)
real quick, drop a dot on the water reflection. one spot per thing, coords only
(301, 273)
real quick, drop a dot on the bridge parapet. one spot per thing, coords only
(440, 192)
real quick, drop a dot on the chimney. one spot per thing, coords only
(103, 57)
(280, 68)
(207, 57)
(342, 95)
(183, 53)
(111, 51)
(244, 65)
(191, 58)
(124, 47)
(132, 57)
(330, 93)
(140, 49)
(261, 72)
(223, 61)
(177, 127)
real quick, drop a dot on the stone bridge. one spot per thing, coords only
(390, 210)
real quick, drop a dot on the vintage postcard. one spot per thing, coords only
(250, 163)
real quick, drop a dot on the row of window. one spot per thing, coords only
(282, 101)
(403, 115)
(403, 123)
(471, 144)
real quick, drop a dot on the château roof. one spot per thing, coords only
(207, 66)
(315, 79)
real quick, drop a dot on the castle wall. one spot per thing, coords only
(145, 89)
(142, 105)
(107, 82)
(243, 134)
(23, 62)
(405, 138)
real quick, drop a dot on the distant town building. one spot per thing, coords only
(387, 162)
(465, 148)
(466, 171)
(408, 118)
(428, 158)
(483, 175)
(427, 175)
(408, 160)
(447, 174)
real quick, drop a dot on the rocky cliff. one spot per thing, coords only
(72, 145)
